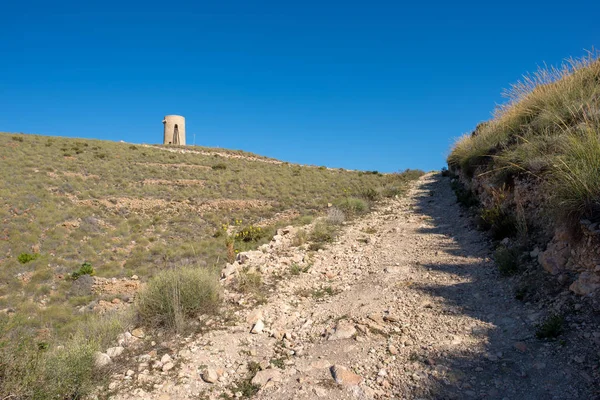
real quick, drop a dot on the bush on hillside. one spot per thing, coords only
(24, 258)
(85, 269)
(174, 296)
(322, 232)
(353, 205)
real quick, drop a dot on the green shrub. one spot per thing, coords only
(300, 238)
(219, 166)
(322, 233)
(370, 194)
(302, 220)
(353, 205)
(250, 234)
(68, 372)
(174, 296)
(507, 260)
(24, 258)
(296, 269)
(550, 328)
(501, 223)
(85, 269)
(34, 369)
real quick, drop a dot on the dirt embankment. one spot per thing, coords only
(569, 251)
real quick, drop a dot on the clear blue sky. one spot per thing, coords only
(378, 85)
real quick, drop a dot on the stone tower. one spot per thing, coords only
(174, 130)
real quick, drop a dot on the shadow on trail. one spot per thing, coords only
(488, 364)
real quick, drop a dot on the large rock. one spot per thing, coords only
(258, 327)
(254, 316)
(266, 376)
(138, 333)
(343, 376)
(229, 270)
(586, 283)
(343, 330)
(209, 375)
(101, 359)
(554, 259)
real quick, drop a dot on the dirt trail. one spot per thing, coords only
(408, 301)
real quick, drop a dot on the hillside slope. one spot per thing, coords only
(86, 223)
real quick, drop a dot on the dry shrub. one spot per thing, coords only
(335, 216)
(174, 296)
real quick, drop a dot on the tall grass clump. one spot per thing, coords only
(174, 296)
(576, 181)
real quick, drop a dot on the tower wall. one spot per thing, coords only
(174, 130)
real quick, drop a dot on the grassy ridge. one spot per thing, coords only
(73, 207)
(549, 129)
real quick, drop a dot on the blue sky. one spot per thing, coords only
(377, 85)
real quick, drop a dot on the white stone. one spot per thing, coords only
(209, 375)
(258, 327)
(114, 351)
(268, 375)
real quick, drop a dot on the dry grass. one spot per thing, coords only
(549, 128)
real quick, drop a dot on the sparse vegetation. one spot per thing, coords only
(353, 205)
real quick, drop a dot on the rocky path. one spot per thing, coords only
(407, 304)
